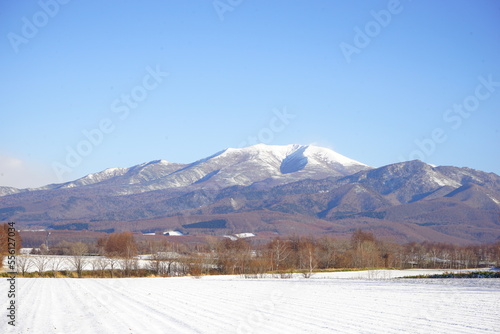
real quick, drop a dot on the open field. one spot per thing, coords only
(349, 302)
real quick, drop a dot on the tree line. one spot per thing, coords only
(362, 250)
(116, 255)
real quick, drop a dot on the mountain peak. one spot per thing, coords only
(312, 152)
(274, 164)
(263, 187)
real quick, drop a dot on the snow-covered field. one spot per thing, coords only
(355, 302)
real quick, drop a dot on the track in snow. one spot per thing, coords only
(237, 305)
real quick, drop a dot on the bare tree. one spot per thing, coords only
(129, 264)
(56, 264)
(154, 263)
(129, 251)
(162, 258)
(196, 265)
(280, 251)
(364, 250)
(40, 262)
(259, 265)
(102, 263)
(310, 250)
(77, 259)
(121, 244)
(113, 264)
(327, 253)
(161, 264)
(23, 263)
(232, 256)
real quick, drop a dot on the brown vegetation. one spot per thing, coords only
(253, 257)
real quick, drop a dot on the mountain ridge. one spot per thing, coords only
(403, 200)
(269, 156)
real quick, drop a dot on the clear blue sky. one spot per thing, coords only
(370, 80)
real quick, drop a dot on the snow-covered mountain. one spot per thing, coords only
(281, 189)
(270, 164)
(8, 191)
(267, 164)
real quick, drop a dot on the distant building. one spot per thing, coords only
(173, 233)
(240, 236)
(244, 235)
(29, 250)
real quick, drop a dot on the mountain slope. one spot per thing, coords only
(274, 188)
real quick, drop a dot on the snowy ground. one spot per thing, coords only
(355, 302)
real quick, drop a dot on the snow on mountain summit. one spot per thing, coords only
(330, 156)
(272, 164)
(313, 154)
(293, 158)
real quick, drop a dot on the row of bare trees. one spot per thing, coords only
(362, 250)
(117, 254)
(52, 264)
